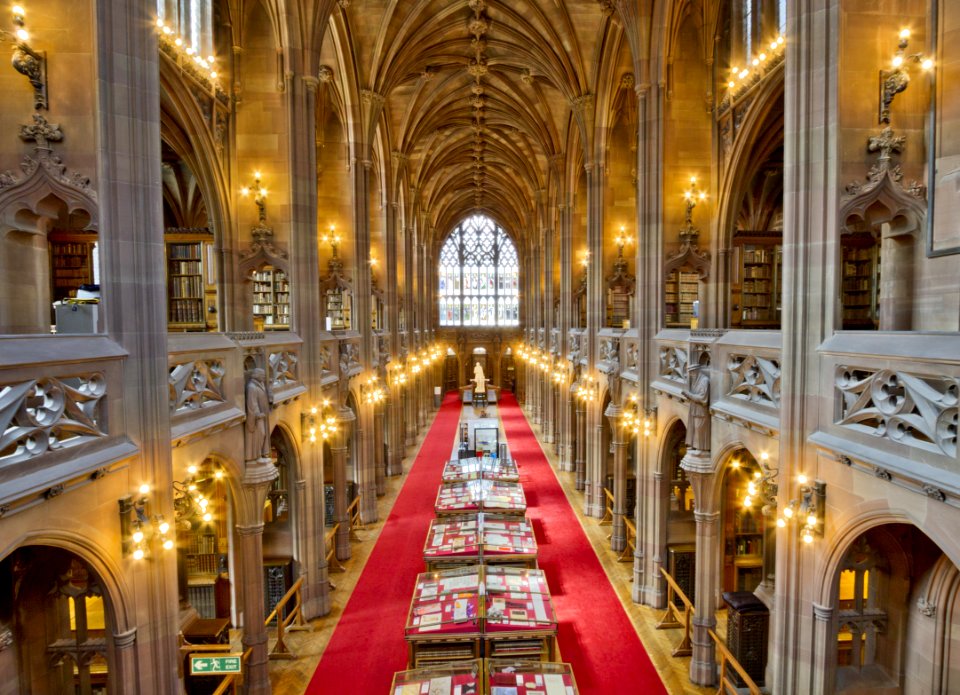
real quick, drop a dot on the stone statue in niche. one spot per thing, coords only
(698, 397)
(257, 433)
(479, 378)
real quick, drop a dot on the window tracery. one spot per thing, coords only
(479, 276)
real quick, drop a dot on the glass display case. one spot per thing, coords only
(480, 538)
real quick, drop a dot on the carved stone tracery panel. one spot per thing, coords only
(196, 384)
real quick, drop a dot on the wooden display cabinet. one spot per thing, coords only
(480, 495)
(448, 679)
(471, 539)
(535, 676)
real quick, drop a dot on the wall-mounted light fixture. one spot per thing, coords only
(137, 528)
(332, 238)
(622, 239)
(259, 196)
(189, 499)
(371, 391)
(28, 62)
(587, 390)
(318, 423)
(897, 78)
(807, 510)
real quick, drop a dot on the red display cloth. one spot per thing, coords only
(368, 646)
(595, 634)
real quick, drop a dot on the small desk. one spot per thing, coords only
(208, 631)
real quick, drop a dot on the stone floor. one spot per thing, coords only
(291, 677)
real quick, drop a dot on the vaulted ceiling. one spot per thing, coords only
(478, 99)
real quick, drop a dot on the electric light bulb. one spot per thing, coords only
(210, 59)
(764, 456)
(168, 544)
(218, 474)
(190, 50)
(734, 464)
(192, 470)
(743, 73)
(213, 75)
(167, 30)
(904, 33)
(927, 64)
(755, 62)
(756, 475)
(807, 537)
(191, 488)
(802, 479)
(788, 512)
(747, 501)
(780, 40)
(23, 35)
(773, 45)
(762, 56)
(159, 20)
(208, 516)
(164, 527)
(811, 520)
(897, 61)
(138, 554)
(734, 69)
(144, 489)
(138, 536)
(178, 41)
(781, 523)
(751, 488)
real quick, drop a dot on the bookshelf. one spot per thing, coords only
(760, 279)
(271, 298)
(748, 549)
(71, 263)
(860, 265)
(339, 308)
(187, 286)
(681, 290)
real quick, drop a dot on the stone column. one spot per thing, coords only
(579, 462)
(257, 480)
(123, 665)
(703, 663)
(594, 499)
(409, 418)
(395, 441)
(823, 672)
(338, 449)
(618, 537)
(379, 423)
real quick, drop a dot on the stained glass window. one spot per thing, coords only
(479, 276)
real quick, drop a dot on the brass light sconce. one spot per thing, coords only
(896, 80)
(136, 527)
(807, 510)
(318, 423)
(371, 392)
(28, 62)
(332, 238)
(259, 196)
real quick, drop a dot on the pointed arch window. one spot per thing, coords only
(479, 276)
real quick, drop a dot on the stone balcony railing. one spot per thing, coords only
(207, 373)
(890, 408)
(62, 415)
(745, 365)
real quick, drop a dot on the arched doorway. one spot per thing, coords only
(204, 522)
(279, 523)
(59, 619)
(743, 524)
(508, 371)
(895, 626)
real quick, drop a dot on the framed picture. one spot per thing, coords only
(486, 440)
(943, 177)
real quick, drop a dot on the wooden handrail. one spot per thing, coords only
(727, 686)
(353, 517)
(630, 546)
(672, 616)
(329, 542)
(608, 508)
(233, 681)
(292, 621)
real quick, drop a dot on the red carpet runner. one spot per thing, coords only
(367, 645)
(596, 636)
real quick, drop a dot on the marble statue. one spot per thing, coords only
(479, 378)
